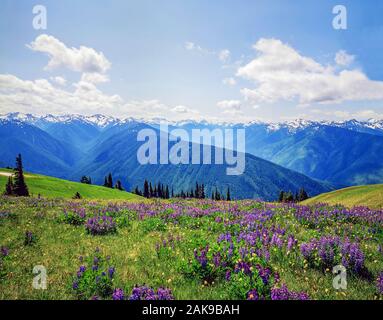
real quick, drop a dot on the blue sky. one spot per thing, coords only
(168, 59)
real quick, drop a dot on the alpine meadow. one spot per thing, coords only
(208, 152)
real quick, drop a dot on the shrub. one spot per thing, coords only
(29, 238)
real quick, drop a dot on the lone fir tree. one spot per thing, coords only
(20, 188)
(9, 187)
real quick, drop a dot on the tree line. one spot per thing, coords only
(288, 197)
(159, 190)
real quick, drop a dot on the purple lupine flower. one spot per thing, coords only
(252, 295)
(164, 294)
(75, 285)
(118, 294)
(264, 273)
(283, 293)
(4, 251)
(379, 283)
(228, 275)
(244, 267)
(291, 242)
(111, 271)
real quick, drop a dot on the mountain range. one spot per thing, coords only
(318, 156)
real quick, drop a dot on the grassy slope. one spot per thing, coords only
(53, 187)
(371, 196)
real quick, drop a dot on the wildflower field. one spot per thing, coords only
(188, 249)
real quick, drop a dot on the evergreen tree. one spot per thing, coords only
(203, 196)
(146, 189)
(9, 187)
(172, 192)
(19, 187)
(110, 181)
(151, 191)
(167, 196)
(106, 182)
(288, 197)
(213, 195)
(197, 190)
(281, 196)
(119, 185)
(302, 195)
(228, 198)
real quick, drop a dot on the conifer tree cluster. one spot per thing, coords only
(287, 197)
(162, 191)
(197, 193)
(218, 196)
(16, 186)
(108, 183)
(158, 191)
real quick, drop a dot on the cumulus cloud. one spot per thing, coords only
(59, 80)
(224, 55)
(342, 58)
(229, 104)
(279, 72)
(229, 81)
(42, 97)
(82, 59)
(94, 78)
(183, 109)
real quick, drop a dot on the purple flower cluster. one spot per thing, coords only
(252, 295)
(352, 257)
(379, 283)
(201, 256)
(75, 217)
(95, 279)
(4, 251)
(327, 250)
(283, 293)
(100, 225)
(118, 294)
(147, 293)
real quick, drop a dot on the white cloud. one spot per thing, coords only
(229, 104)
(94, 78)
(83, 59)
(191, 46)
(229, 81)
(59, 80)
(280, 73)
(183, 109)
(41, 97)
(224, 55)
(342, 58)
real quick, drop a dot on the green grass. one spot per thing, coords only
(58, 188)
(370, 196)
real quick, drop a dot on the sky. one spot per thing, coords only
(218, 60)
